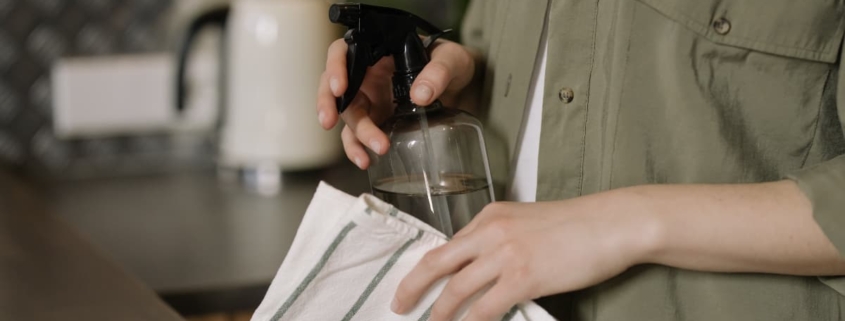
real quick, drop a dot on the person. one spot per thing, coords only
(676, 159)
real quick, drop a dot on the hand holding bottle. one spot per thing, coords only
(450, 70)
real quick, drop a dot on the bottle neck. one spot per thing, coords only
(409, 57)
(402, 83)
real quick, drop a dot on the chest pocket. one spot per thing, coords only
(808, 29)
(748, 81)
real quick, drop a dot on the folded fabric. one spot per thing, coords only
(347, 260)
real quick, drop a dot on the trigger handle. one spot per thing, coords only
(357, 61)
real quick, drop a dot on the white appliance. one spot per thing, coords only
(275, 52)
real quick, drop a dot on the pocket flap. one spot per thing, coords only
(807, 29)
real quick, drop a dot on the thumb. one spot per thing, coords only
(431, 82)
(450, 70)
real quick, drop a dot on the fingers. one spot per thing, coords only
(497, 302)
(354, 150)
(332, 84)
(377, 86)
(370, 106)
(434, 265)
(469, 281)
(450, 70)
(336, 67)
(431, 83)
(326, 105)
(357, 118)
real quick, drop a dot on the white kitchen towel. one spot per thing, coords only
(347, 259)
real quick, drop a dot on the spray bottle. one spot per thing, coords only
(436, 166)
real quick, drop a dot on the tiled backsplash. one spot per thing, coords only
(33, 35)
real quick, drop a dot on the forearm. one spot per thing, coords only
(766, 228)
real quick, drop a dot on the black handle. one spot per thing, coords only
(215, 17)
(358, 58)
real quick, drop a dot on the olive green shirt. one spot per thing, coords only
(676, 91)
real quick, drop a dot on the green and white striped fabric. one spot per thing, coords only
(347, 259)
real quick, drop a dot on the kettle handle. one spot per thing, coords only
(215, 17)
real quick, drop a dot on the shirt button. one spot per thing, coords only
(722, 26)
(566, 95)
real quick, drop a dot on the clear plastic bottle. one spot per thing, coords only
(436, 167)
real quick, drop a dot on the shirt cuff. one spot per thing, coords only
(824, 185)
(836, 283)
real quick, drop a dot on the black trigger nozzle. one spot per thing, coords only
(346, 14)
(376, 32)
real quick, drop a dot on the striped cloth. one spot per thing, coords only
(347, 259)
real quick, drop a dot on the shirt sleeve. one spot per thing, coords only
(824, 185)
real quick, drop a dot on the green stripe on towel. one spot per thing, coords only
(379, 276)
(314, 271)
(511, 314)
(427, 314)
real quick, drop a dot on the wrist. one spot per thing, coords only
(645, 233)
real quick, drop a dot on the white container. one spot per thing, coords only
(276, 54)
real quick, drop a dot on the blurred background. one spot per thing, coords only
(194, 184)
(38, 35)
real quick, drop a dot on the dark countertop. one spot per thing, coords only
(192, 237)
(49, 272)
